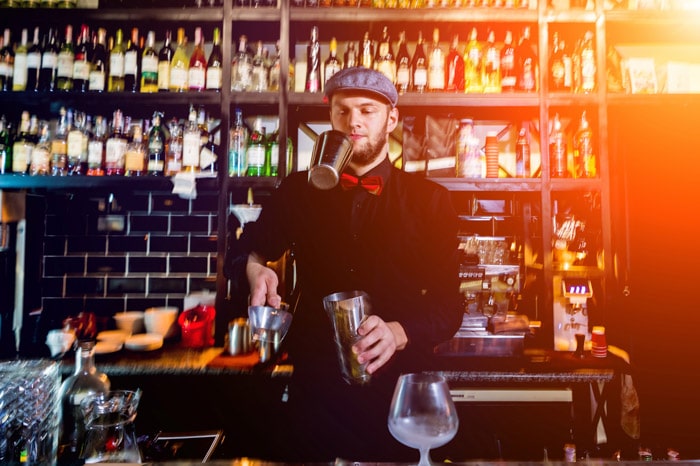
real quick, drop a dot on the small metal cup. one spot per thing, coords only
(239, 337)
(330, 156)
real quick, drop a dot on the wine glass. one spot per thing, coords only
(422, 413)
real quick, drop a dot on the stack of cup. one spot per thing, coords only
(491, 154)
(599, 346)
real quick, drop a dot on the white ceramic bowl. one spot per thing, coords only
(129, 321)
(161, 321)
(113, 336)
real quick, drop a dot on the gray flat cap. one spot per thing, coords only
(359, 78)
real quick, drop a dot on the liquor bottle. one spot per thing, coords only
(473, 64)
(33, 63)
(508, 74)
(59, 145)
(238, 140)
(255, 150)
(149, 65)
(82, 61)
(403, 65)
(96, 148)
(116, 64)
(522, 153)
(22, 146)
(419, 66)
(85, 381)
(77, 144)
(98, 63)
(332, 64)
(197, 72)
(454, 67)
(492, 65)
(49, 57)
(272, 154)
(242, 67)
(165, 56)
(385, 61)
(274, 74)
(584, 150)
(366, 54)
(259, 71)
(179, 65)
(64, 64)
(115, 146)
(41, 155)
(313, 63)
(135, 156)
(215, 64)
(156, 146)
(132, 56)
(350, 57)
(436, 64)
(7, 62)
(173, 156)
(5, 147)
(558, 150)
(209, 149)
(588, 66)
(19, 73)
(191, 142)
(527, 69)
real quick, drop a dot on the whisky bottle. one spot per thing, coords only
(436, 64)
(215, 64)
(238, 139)
(313, 63)
(332, 64)
(179, 66)
(492, 65)
(22, 146)
(274, 73)
(191, 142)
(19, 73)
(473, 64)
(41, 155)
(508, 76)
(454, 67)
(115, 146)
(526, 63)
(584, 150)
(76, 143)
(156, 146)
(96, 148)
(132, 56)
(98, 63)
(135, 156)
(64, 65)
(588, 65)
(558, 150)
(197, 72)
(59, 143)
(403, 65)
(149, 65)
(419, 66)
(116, 64)
(366, 51)
(81, 61)
(33, 63)
(165, 56)
(242, 67)
(385, 62)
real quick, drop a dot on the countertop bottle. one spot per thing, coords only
(85, 381)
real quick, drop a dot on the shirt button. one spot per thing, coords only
(355, 236)
(352, 269)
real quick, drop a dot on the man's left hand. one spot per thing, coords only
(379, 343)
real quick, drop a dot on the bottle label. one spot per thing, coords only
(190, 149)
(420, 77)
(116, 65)
(95, 154)
(40, 161)
(163, 75)
(178, 78)
(21, 156)
(403, 76)
(33, 60)
(134, 160)
(19, 79)
(197, 78)
(97, 81)
(48, 60)
(114, 153)
(81, 70)
(149, 64)
(214, 78)
(256, 156)
(130, 63)
(64, 68)
(75, 143)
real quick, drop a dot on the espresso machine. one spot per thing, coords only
(12, 241)
(571, 297)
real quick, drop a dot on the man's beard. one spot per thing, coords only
(369, 152)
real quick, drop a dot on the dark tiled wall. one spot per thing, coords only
(166, 249)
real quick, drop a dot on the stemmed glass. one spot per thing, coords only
(422, 413)
(245, 212)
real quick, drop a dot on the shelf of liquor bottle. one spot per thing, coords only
(576, 184)
(116, 14)
(254, 14)
(147, 183)
(265, 182)
(439, 99)
(267, 97)
(491, 184)
(115, 98)
(423, 15)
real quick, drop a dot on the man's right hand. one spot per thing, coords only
(263, 282)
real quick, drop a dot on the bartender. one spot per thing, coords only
(393, 236)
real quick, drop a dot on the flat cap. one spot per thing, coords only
(359, 78)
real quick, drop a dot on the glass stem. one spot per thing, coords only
(424, 457)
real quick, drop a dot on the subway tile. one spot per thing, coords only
(87, 244)
(135, 202)
(205, 203)
(105, 307)
(120, 285)
(60, 308)
(54, 245)
(203, 244)
(190, 223)
(66, 224)
(188, 264)
(57, 266)
(148, 223)
(52, 287)
(212, 263)
(114, 224)
(169, 203)
(140, 303)
(106, 264)
(120, 244)
(77, 286)
(167, 285)
(175, 244)
(198, 284)
(150, 264)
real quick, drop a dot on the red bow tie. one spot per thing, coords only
(372, 184)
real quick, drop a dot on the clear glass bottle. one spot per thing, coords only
(259, 71)
(41, 155)
(96, 148)
(135, 156)
(156, 146)
(350, 57)
(197, 72)
(274, 75)
(366, 55)
(76, 143)
(385, 61)
(86, 380)
(558, 150)
(238, 139)
(332, 64)
(173, 156)
(59, 145)
(191, 142)
(242, 67)
(588, 64)
(436, 64)
(313, 63)
(115, 146)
